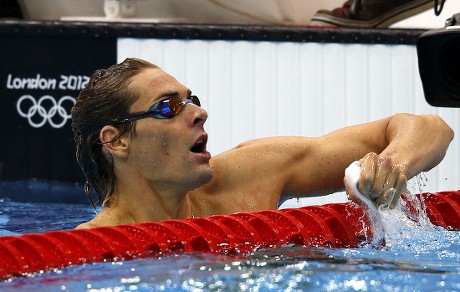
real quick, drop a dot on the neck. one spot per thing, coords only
(146, 204)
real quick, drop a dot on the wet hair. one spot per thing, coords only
(105, 98)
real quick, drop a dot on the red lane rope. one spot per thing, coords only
(331, 225)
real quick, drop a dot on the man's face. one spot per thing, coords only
(171, 152)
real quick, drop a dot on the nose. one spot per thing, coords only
(197, 116)
(201, 117)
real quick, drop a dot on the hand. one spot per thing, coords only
(381, 180)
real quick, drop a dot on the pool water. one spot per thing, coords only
(24, 217)
(416, 258)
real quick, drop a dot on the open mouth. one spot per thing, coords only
(199, 146)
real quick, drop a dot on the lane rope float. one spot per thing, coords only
(330, 225)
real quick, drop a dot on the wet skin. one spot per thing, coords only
(163, 170)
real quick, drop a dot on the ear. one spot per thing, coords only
(112, 142)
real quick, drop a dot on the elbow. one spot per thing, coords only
(446, 131)
(442, 135)
(427, 137)
(431, 124)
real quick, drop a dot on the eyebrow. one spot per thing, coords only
(172, 94)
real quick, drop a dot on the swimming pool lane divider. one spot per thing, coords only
(330, 225)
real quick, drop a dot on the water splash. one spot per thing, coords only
(407, 225)
(420, 181)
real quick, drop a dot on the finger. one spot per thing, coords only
(400, 187)
(387, 198)
(383, 169)
(368, 165)
(390, 182)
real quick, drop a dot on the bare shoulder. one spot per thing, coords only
(248, 177)
(87, 225)
(101, 219)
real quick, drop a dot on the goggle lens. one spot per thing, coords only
(165, 109)
(171, 107)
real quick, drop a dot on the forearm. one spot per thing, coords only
(418, 143)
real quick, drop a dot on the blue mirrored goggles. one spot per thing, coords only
(165, 109)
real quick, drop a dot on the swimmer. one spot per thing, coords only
(141, 144)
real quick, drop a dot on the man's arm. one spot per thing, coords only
(390, 150)
(304, 166)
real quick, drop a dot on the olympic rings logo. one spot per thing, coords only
(38, 114)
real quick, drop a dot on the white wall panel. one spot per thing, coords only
(287, 85)
(242, 80)
(220, 85)
(258, 89)
(311, 84)
(378, 71)
(355, 84)
(265, 89)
